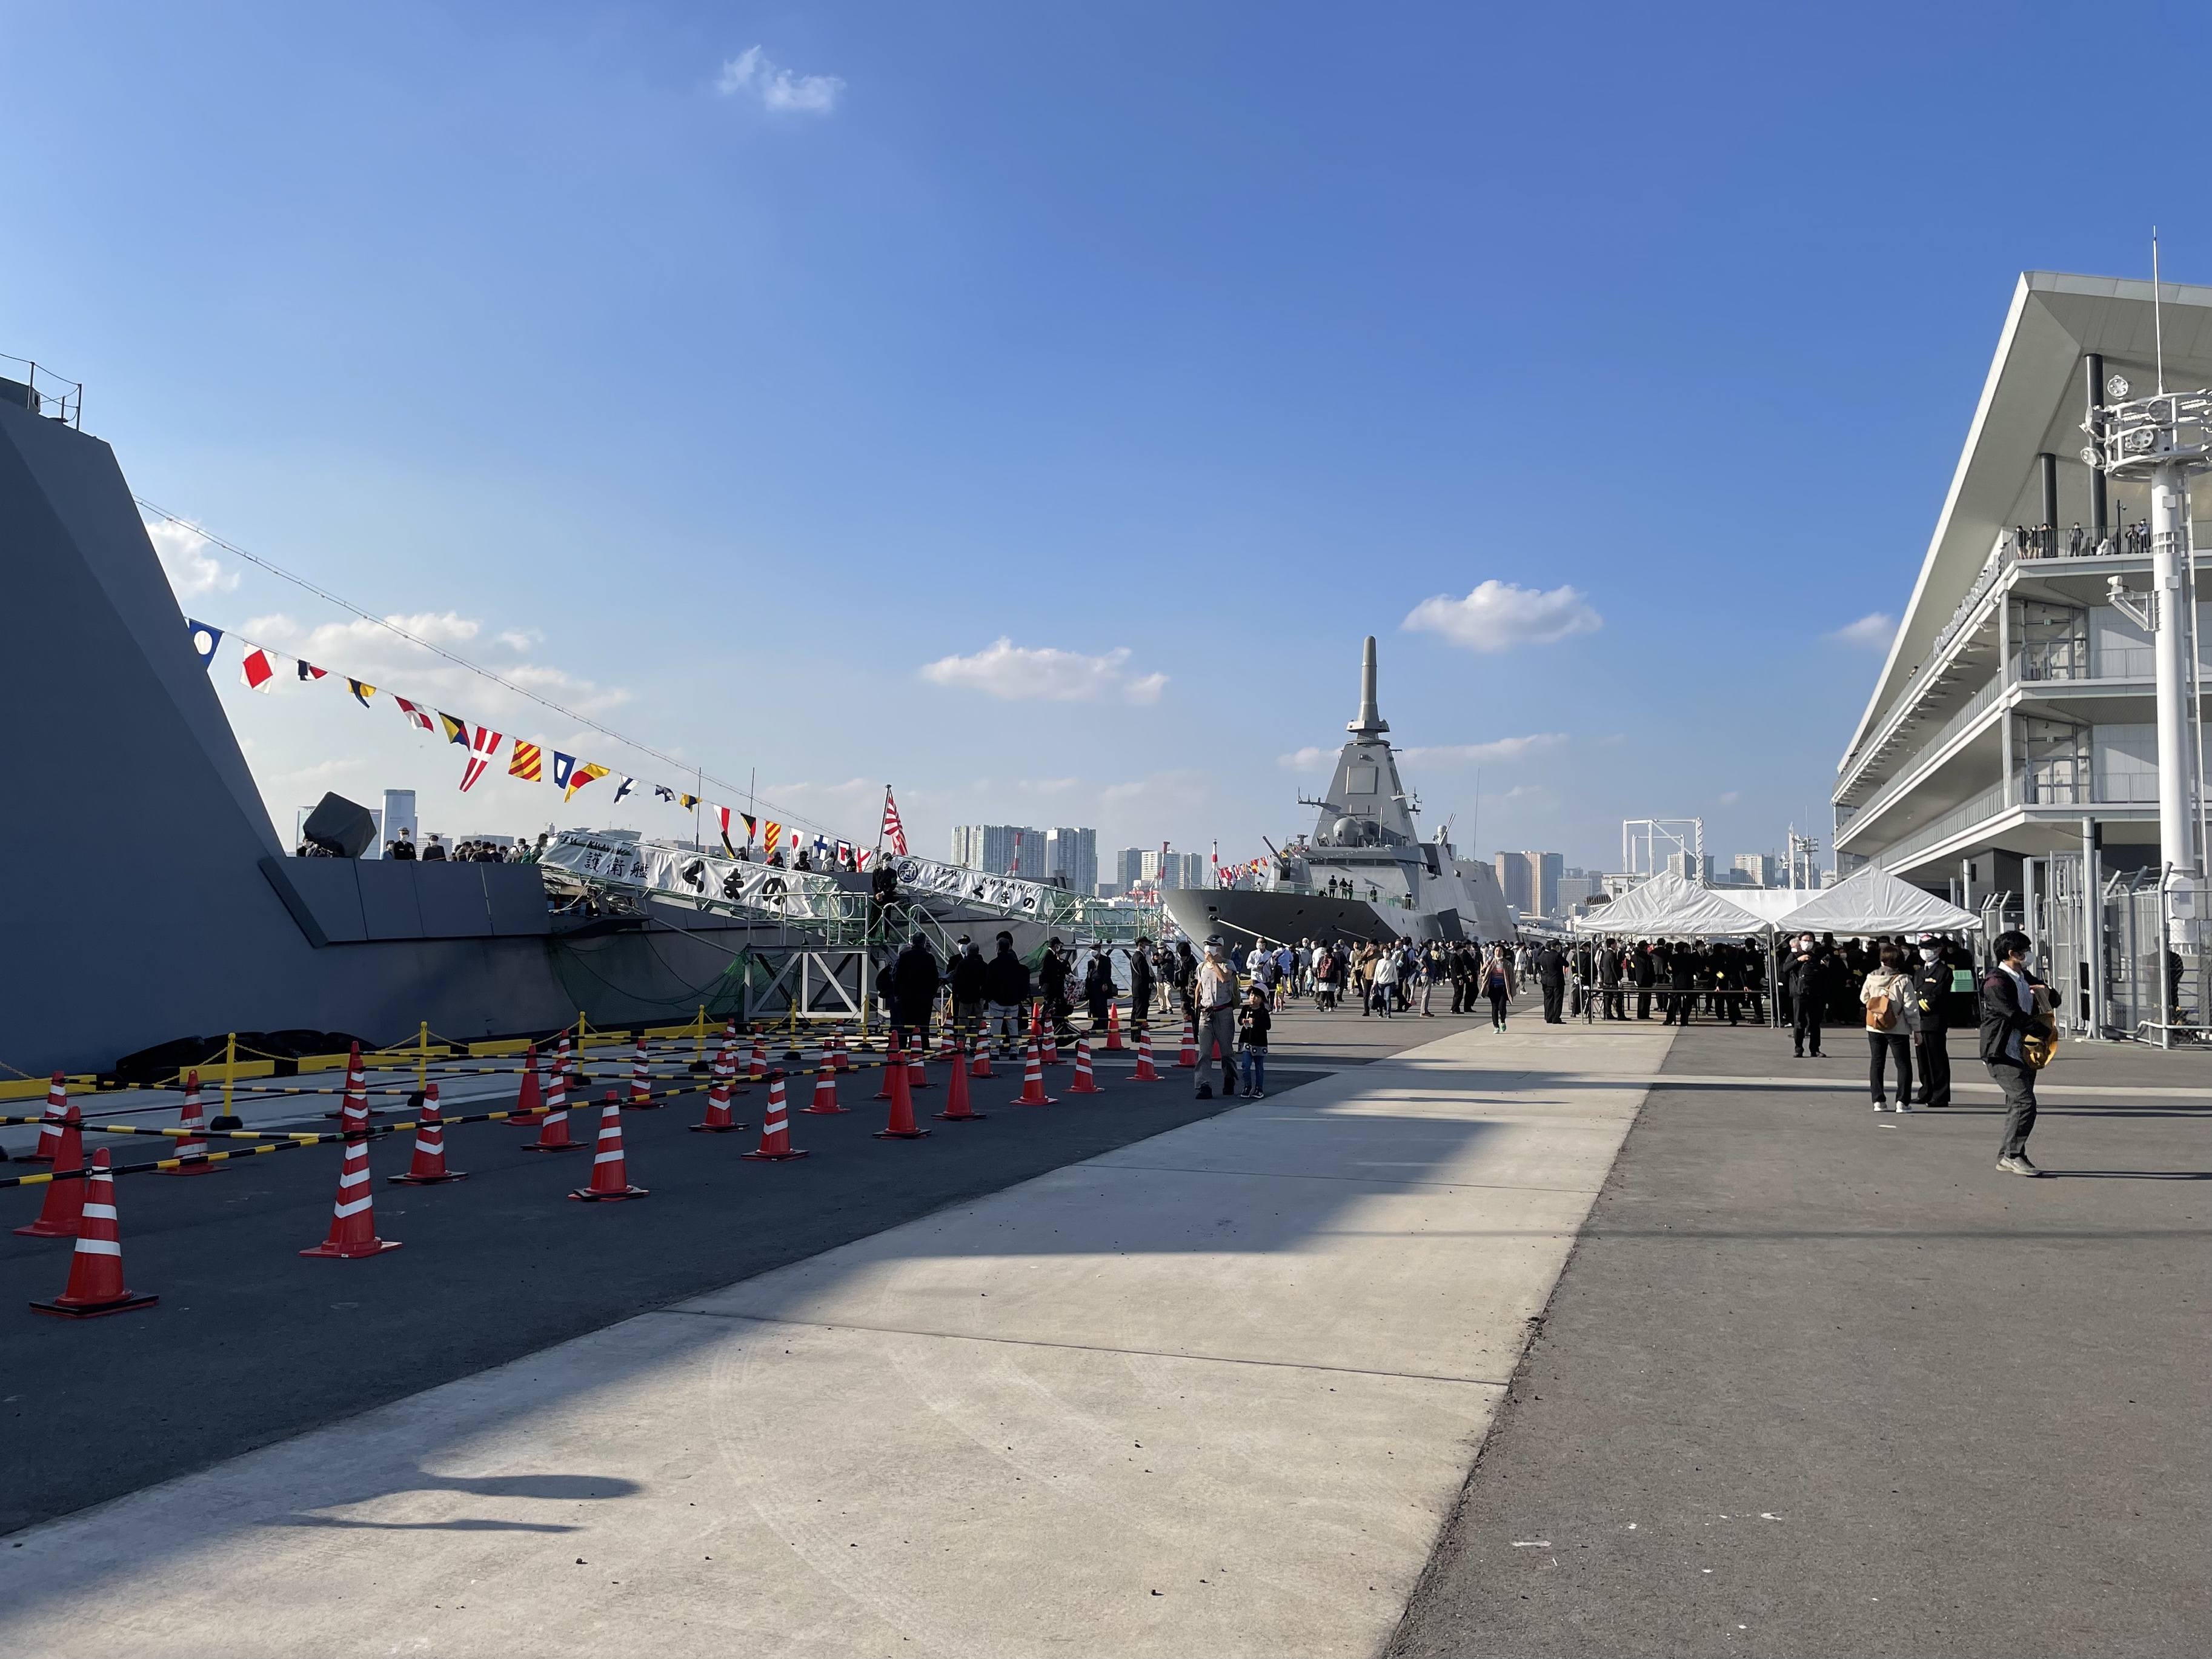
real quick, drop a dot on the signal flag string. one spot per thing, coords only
(783, 813)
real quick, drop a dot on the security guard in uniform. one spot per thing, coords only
(1931, 1054)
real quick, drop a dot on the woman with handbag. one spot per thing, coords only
(1888, 999)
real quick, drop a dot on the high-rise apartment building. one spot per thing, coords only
(1072, 856)
(1001, 849)
(1129, 867)
(1531, 881)
(1763, 868)
(1691, 867)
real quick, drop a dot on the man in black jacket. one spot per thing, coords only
(1682, 983)
(1006, 989)
(1552, 976)
(914, 988)
(1645, 972)
(1608, 975)
(1806, 974)
(2009, 1016)
(1141, 987)
(965, 974)
(1931, 995)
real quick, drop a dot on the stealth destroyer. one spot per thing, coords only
(1364, 871)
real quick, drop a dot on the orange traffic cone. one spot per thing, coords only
(96, 1277)
(1033, 1092)
(917, 1051)
(1083, 1083)
(957, 1109)
(838, 1056)
(192, 1143)
(894, 1061)
(756, 1067)
(901, 1126)
(948, 1045)
(1114, 1043)
(1187, 1060)
(719, 1121)
(825, 1094)
(553, 1126)
(981, 1066)
(564, 1058)
(427, 1168)
(640, 1086)
(775, 1128)
(50, 1127)
(1051, 1044)
(356, 1093)
(61, 1215)
(1145, 1073)
(610, 1172)
(353, 1213)
(530, 1103)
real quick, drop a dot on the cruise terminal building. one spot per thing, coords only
(2011, 756)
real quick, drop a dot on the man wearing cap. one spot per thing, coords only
(965, 974)
(1214, 1000)
(1931, 995)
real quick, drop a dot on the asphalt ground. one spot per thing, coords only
(1819, 1381)
(251, 1342)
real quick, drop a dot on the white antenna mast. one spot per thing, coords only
(2157, 314)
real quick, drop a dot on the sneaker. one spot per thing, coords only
(1259, 1094)
(1879, 1104)
(1903, 1105)
(1205, 1092)
(2018, 1165)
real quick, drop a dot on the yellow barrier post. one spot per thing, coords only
(580, 1028)
(229, 1069)
(699, 1044)
(423, 1058)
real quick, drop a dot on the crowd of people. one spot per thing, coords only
(1905, 994)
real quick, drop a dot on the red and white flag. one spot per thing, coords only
(258, 669)
(484, 750)
(416, 714)
(893, 830)
(308, 671)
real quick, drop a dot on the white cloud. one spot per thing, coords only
(751, 72)
(191, 569)
(1308, 759)
(1498, 615)
(521, 638)
(1018, 673)
(1731, 798)
(1500, 749)
(1872, 632)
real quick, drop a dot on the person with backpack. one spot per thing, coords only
(1497, 983)
(1890, 999)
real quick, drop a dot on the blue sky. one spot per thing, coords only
(743, 375)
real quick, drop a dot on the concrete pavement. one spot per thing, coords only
(1213, 1391)
(1819, 1381)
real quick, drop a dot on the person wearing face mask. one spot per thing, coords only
(1806, 973)
(965, 976)
(1931, 994)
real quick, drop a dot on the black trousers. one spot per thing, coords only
(1555, 997)
(1807, 1025)
(1894, 1046)
(1616, 1003)
(2018, 1084)
(1932, 1049)
(1498, 1006)
(1642, 1004)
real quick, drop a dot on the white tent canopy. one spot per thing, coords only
(1768, 903)
(1670, 907)
(1873, 901)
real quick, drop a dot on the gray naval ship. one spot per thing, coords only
(1365, 872)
